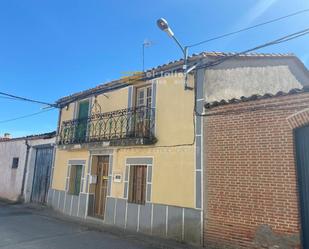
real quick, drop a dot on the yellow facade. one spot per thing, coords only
(115, 100)
(67, 112)
(61, 165)
(173, 175)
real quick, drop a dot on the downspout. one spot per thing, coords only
(25, 171)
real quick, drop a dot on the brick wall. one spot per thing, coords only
(250, 182)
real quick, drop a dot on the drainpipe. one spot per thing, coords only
(25, 171)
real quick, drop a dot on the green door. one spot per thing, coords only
(302, 160)
(81, 128)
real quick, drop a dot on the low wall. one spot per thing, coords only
(182, 224)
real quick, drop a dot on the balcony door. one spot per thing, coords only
(82, 117)
(143, 96)
(143, 110)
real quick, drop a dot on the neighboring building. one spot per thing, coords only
(25, 165)
(131, 152)
(256, 171)
(255, 142)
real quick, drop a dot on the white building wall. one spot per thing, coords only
(247, 76)
(11, 179)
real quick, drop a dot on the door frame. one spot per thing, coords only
(93, 154)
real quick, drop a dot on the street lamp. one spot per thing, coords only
(163, 25)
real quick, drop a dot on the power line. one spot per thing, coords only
(271, 43)
(27, 99)
(25, 116)
(274, 42)
(250, 27)
(4, 97)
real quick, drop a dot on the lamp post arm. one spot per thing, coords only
(183, 49)
(185, 61)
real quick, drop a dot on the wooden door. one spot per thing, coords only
(41, 177)
(137, 186)
(81, 128)
(101, 186)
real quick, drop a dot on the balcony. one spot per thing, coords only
(133, 126)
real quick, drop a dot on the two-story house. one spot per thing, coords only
(129, 153)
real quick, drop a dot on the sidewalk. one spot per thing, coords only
(107, 234)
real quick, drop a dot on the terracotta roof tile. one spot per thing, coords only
(209, 105)
(31, 137)
(165, 67)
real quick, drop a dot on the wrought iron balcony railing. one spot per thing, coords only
(121, 127)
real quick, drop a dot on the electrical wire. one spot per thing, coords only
(27, 99)
(25, 116)
(4, 97)
(248, 28)
(271, 43)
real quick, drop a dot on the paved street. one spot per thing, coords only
(23, 227)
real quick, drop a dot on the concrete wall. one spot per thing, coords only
(246, 76)
(11, 179)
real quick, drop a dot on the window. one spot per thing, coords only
(15, 162)
(137, 184)
(75, 179)
(143, 96)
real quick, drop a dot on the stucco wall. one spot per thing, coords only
(174, 112)
(11, 179)
(62, 158)
(115, 100)
(247, 76)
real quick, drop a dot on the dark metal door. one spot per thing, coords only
(41, 177)
(302, 159)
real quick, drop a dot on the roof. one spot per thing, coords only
(170, 66)
(253, 97)
(2, 139)
(31, 137)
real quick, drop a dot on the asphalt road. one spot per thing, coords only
(20, 227)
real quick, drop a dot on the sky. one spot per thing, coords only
(53, 48)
